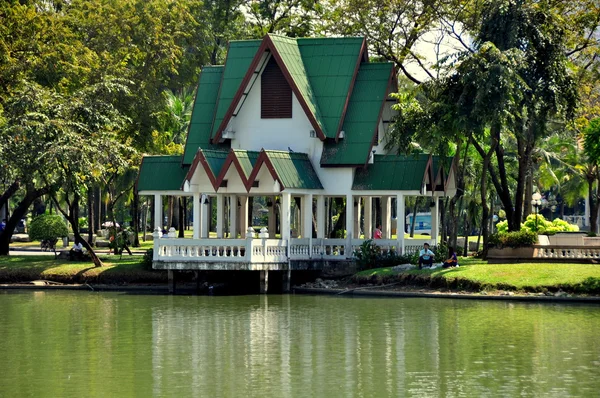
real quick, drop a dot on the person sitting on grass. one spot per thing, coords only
(76, 252)
(452, 260)
(425, 256)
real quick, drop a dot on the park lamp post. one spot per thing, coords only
(536, 201)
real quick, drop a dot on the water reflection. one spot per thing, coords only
(318, 346)
(90, 344)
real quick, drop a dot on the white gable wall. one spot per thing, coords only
(254, 133)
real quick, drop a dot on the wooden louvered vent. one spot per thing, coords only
(275, 93)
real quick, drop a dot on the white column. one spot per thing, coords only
(386, 217)
(368, 210)
(233, 212)
(271, 218)
(158, 222)
(435, 217)
(243, 214)
(220, 215)
(204, 216)
(307, 216)
(196, 206)
(349, 223)
(400, 219)
(286, 201)
(320, 216)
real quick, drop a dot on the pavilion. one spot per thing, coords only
(296, 122)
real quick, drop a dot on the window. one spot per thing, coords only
(275, 93)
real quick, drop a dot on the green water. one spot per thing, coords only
(84, 344)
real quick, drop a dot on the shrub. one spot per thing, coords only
(83, 223)
(367, 254)
(147, 260)
(541, 225)
(48, 227)
(517, 239)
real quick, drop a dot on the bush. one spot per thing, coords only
(147, 260)
(367, 254)
(517, 239)
(47, 227)
(541, 226)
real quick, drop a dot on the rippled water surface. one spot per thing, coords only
(80, 344)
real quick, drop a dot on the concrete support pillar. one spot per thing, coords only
(196, 206)
(435, 218)
(204, 216)
(349, 223)
(286, 280)
(400, 219)
(271, 218)
(368, 230)
(171, 281)
(264, 282)
(220, 215)
(320, 216)
(286, 202)
(243, 215)
(307, 216)
(158, 221)
(386, 217)
(233, 212)
(357, 208)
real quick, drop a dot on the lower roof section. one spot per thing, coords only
(161, 173)
(394, 173)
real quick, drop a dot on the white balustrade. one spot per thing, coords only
(174, 249)
(567, 252)
(300, 249)
(335, 249)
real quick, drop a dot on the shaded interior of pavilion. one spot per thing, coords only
(375, 200)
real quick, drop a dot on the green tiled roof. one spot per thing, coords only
(330, 65)
(294, 170)
(290, 54)
(161, 173)
(215, 160)
(392, 173)
(239, 58)
(362, 117)
(203, 112)
(247, 160)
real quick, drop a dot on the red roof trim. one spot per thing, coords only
(239, 92)
(390, 85)
(232, 158)
(200, 158)
(359, 60)
(263, 158)
(267, 44)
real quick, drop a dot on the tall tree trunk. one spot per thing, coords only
(20, 211)
(181, 217)
(8, 193)
(528, 193)
(594, 197)
(413, 222)
(90, 218)
(73, 218)
(136, 218)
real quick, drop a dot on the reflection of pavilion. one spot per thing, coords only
(297, 121)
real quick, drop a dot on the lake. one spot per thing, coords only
(90, 344)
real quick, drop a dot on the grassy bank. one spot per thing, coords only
(477, 275)
(129, 269)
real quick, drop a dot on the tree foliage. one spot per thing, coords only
(47, 227)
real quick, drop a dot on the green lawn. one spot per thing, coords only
(129, 269)
(521, 276)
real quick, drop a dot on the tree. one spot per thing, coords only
(49, 227)
(592, 151)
